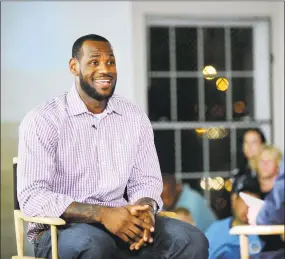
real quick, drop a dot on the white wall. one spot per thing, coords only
(214, 9)
(36, 42)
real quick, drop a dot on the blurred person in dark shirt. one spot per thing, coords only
(252, 142)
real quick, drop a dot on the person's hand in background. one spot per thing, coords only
(253, 211)
(254, 206)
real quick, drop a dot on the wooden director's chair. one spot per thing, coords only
(19, 219)
(245, 231)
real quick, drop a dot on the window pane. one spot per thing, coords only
(164, 143)
(220, 152)
(215, 101)
(214, 47)
(192, 151)
(186, 49)
(159, 99)
(187, 99)
(243, 98)
(242, 49)
(159, 49)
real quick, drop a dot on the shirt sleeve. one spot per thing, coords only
(145, 179)
(36, 168)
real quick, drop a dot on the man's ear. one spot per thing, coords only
(74, 66)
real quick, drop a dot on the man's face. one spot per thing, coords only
(251, 144)
(239, 208)
(267, 171)
(168, 195)
(97, 69)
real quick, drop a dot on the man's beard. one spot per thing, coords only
(92, 92)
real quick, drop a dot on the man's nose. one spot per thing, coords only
(104, 68)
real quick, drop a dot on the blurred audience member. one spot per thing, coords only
(184, 215)
(270, 174)
(222, 244)
(176, 195)
(252, 142)
(268, 167)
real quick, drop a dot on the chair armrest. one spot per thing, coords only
(45, 220)
(168, 214)
(258, 230)
(41, 220)
(26, 257)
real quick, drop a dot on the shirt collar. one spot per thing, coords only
(76, 106)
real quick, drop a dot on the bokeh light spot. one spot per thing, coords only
(209, 72)
(222, 84)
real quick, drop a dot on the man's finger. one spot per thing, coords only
(142, 224)
(146, 235)
(135, 209)
(139, 244)
(125, 238)
(132, 235)
(133, 245)
(136, 230)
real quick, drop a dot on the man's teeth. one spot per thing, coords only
(103, 81)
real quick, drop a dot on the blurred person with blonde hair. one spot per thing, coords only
(270, 175)
(267, 164)
(185, 215)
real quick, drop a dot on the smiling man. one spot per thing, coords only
(77, 155)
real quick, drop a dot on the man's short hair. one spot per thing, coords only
(79, 42)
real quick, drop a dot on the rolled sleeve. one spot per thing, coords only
(146, 179)
(36, 168)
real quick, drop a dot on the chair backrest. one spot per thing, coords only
(16, 202)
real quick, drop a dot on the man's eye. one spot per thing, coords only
(111, 62)
(94, 63)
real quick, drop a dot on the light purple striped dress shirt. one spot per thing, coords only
(62, 158)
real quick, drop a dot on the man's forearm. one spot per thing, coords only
(83, 213)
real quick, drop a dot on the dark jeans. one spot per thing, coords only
(173, 239)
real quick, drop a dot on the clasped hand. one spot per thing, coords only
(132, 223)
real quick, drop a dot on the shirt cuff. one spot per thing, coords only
(57, 206)
(144, 194)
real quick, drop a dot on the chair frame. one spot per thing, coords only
(245, 231)
(19, 220)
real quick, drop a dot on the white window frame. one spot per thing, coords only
(261, 75)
